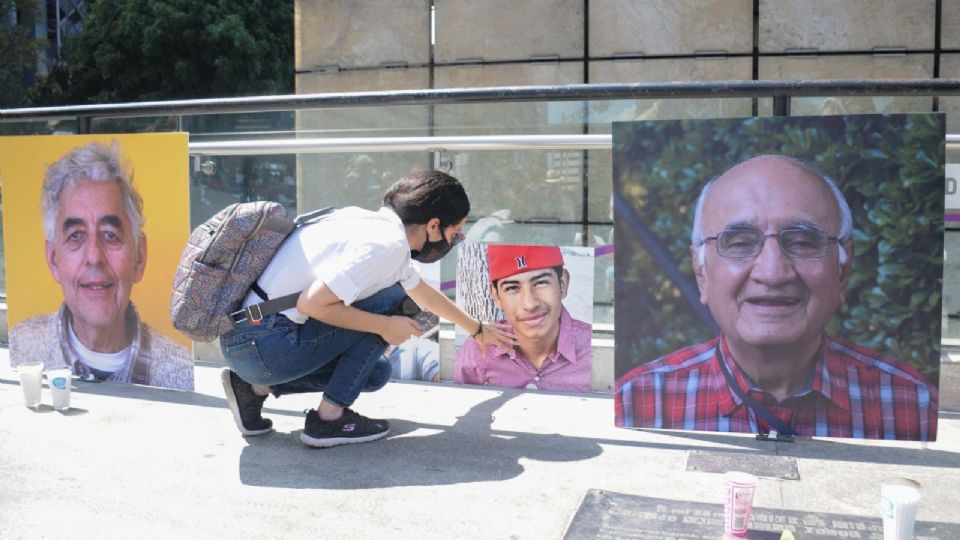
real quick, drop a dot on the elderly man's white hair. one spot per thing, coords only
(93, 162)
(846, 220)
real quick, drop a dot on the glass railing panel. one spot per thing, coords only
(358, 178)
(50, 127)
(544, 186)
(951, 289)
(602, 235)
(693, 70)
(217, 181)
(541, 186)
(239, 126)
(135, 124)
(950, 69)
(874, 67)
(951, 256)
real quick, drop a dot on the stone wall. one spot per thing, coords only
(367, 45)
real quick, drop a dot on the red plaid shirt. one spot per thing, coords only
(854, 392)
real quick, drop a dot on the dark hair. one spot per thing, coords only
(423, 195)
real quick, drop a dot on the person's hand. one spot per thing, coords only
(399, 329)
(498, 334)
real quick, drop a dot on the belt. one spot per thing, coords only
(252, 315)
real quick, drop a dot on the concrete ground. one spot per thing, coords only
(139, 462)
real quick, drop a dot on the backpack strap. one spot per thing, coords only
(256, 312)
(259, 291)
(311, 217)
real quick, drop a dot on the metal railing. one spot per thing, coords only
(779, 91)
(414, 144)
(401, 144)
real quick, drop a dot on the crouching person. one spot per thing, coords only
(354, 270)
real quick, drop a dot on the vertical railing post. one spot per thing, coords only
(781, 105)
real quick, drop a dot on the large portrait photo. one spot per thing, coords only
(100, 221)
(780, 276)
(544, 294)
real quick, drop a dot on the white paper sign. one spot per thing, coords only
(953, 187)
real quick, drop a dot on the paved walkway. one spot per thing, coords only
(138, 462)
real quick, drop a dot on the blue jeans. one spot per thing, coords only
(314, 356)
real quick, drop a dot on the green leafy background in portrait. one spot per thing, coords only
(889, 167)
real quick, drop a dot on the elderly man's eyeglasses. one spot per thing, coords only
(796, 243)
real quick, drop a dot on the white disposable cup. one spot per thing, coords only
(898, 505)
(59, 381)
(31, 382)
(738, 489)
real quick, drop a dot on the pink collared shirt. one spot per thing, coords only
(566, 369)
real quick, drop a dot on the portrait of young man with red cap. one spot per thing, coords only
(528, 284)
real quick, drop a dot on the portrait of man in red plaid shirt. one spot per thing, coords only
(772, 252)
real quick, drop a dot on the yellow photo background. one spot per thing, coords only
(159, 164)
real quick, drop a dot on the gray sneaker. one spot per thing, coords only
(349, 428)
(244, 404)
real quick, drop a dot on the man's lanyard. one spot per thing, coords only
(754, 405)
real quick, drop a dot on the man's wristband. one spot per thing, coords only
(479, 329)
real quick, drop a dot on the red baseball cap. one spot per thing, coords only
(507, 260)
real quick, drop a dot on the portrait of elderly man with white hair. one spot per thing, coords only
(772, 252)
(96, 250)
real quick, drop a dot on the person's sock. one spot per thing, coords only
(330, 419)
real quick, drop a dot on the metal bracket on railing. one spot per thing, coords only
(208, 167)
(781, 105)
(441, 163)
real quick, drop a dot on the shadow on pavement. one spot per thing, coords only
(468, 451)
(444, 457)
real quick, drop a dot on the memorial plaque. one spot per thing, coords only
(608, 515)
(784, 467)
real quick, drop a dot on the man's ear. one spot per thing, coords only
(564, 283)
(52, 260)
(495, 295)
(141, 262)
(698, 272)
(846, 269)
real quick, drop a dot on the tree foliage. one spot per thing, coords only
(18, 49)
(133, 50)
(889, 167)
(473, 293)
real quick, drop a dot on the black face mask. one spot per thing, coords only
(432, 251)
